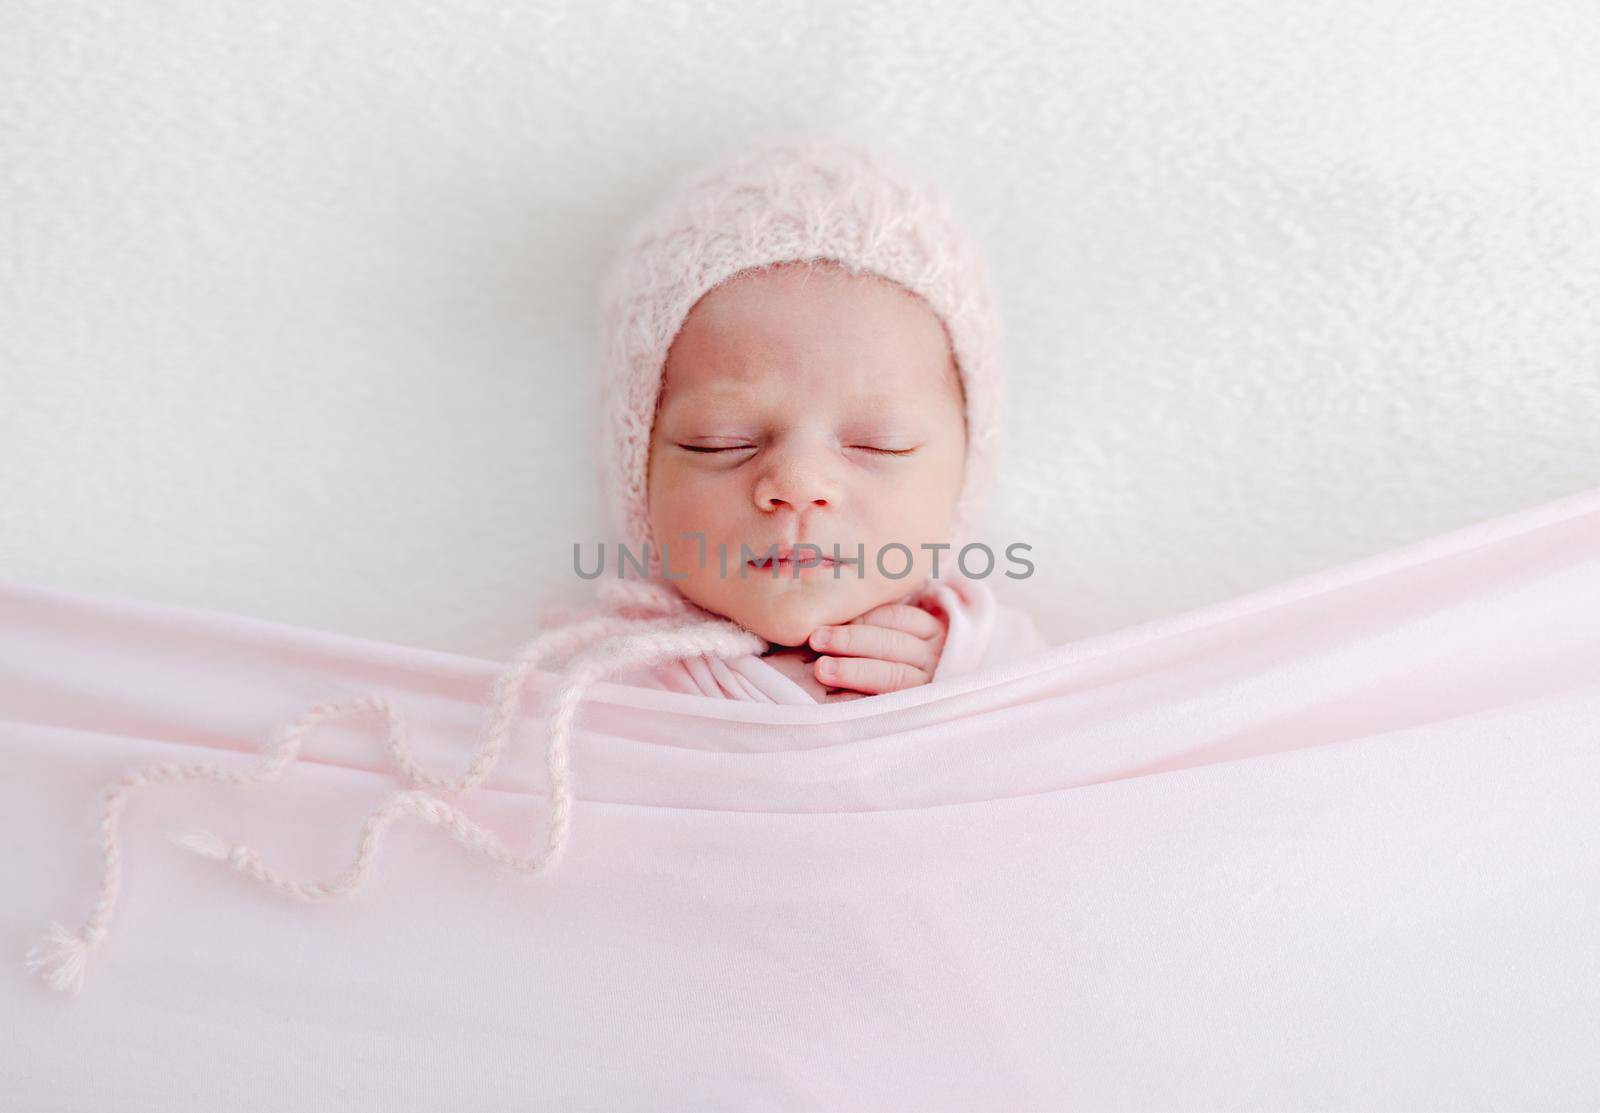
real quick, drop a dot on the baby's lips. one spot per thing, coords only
(802, 552)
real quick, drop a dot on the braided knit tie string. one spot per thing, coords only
(667, 642)
(60, 956)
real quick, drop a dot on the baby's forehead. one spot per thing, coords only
(746, 369)
(871, 393)
(799, 338)
(741, 397)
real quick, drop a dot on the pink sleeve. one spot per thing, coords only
(982, 631)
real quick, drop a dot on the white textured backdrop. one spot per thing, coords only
(298, 297)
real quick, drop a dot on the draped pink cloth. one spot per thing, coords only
(1331, 844)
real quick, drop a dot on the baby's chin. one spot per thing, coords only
(787, 614)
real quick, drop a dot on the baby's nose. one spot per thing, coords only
(798, 482)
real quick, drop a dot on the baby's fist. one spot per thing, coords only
(888, 648)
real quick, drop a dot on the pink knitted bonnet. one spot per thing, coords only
(788, 199)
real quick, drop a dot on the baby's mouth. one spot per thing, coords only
(797, 561)
(807, 560)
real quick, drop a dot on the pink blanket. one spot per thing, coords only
(1334, 844)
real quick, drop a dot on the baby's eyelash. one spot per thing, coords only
(728, 448)
(885, 451)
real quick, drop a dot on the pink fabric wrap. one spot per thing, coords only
(1332, 844)
(980, 631)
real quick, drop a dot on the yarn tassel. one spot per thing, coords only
(61, 957)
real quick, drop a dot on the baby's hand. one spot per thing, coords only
(890, 647)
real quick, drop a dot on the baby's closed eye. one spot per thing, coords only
(745, 446)
(717, 448)
(886, 451)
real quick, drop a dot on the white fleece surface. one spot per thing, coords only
(296, 299)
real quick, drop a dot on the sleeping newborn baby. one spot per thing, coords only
(802, 404)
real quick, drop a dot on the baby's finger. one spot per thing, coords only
(882, 642)
(868, 674)
(902, 616)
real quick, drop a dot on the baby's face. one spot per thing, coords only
(806, 404)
